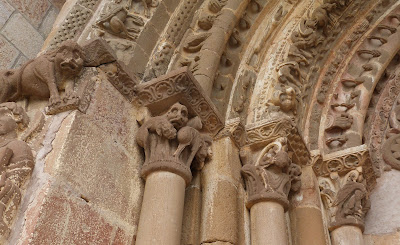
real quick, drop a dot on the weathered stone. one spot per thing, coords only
(66, 216)
(27, 39)
(117, 172)
(33, 10)
(219, 213)
(8, 53)
(48, 21)
(5, 12)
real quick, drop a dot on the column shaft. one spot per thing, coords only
(347, 235)
(268, 224)
(162, 209)
(305, 215)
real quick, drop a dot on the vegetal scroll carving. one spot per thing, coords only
(16, 163)
(272, 176)
(172, 141)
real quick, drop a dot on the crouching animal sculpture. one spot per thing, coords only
(44, 76)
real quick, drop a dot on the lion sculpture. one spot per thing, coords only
(44, 76)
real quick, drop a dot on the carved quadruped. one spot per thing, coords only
(235, 130)
(172, 141)
(45, 76)
(16, 163)
(269, 130)
(180, 85)
(63, 76)
(271, 175)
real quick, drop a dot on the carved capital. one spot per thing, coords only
(172, 142)
(270, 176)
(345, 199)
(235, 130)
(180, 85)
(345, 179)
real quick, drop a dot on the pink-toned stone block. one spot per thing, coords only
(65, 218)
(58, 3)
(33, 10)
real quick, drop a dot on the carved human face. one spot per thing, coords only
(69, 59)
(282, 159)
(288, 100)
(7, 125)
(178, 115)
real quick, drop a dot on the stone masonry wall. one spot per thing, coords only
(24, 25)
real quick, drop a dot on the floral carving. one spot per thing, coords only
(172, 141)
(272, 176)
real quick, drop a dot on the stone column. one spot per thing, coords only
(268, 183)
(268, 223)
(306, 212)
(347, 235)
(171, 143)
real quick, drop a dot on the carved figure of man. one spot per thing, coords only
(352, 203)
(276, 166)
(16, 163)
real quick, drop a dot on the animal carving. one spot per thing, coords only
(189, 136)
(164, 126)
(44, 76)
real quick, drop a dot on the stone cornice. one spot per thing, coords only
(180, 86)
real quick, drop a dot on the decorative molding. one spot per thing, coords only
(180, 85)
(342, 162)
(75, 22)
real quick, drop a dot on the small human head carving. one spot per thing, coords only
(177, 115)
